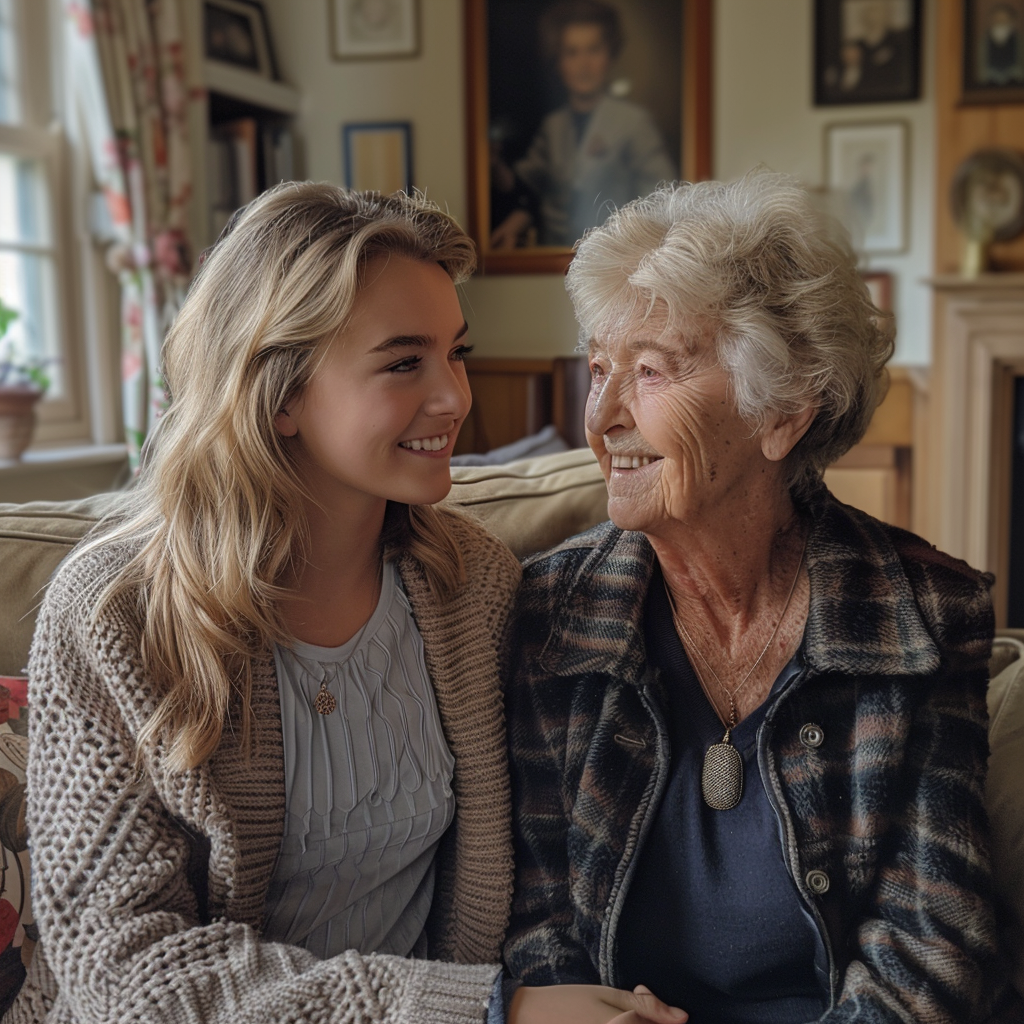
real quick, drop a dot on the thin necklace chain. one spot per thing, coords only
(731, 694)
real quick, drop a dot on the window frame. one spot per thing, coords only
(87, 294)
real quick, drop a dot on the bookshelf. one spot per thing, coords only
(241, 131)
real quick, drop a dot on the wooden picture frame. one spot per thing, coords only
(514, 95)
(369, 29)
(993, 56)
(879, 284)
(866, 168)
(378, 156)
(866, 51)
(235, 32)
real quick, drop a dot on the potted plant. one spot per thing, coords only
(23, 381)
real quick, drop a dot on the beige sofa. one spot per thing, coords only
(531, 505)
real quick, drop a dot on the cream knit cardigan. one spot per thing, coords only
(121, 938)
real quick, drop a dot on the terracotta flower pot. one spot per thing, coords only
(17, 418)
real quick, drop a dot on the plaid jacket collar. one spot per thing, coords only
(863, 617)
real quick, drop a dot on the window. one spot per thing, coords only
(40, 265)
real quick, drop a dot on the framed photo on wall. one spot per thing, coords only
(374, 28)
(378, 156)
(866, 51)
(575, 109)
(235, 32)
(866, 166)
(993, 59)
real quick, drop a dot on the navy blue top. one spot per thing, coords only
(712, 921)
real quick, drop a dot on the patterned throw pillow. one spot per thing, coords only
(18, 933)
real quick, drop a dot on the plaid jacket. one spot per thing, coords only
(880, 807)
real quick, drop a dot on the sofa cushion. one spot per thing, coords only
(1004, 797)
(535, 503)
(34, 538)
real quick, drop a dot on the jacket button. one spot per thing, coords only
(812, 735)
(817, 881)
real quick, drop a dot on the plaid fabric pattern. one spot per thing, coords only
(883, 826)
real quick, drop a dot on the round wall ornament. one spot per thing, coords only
(987, 195)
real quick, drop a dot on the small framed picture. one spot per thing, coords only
(993, 51)
(374, 28)
(235, 32)
(378, 156)
(879, 284)
(866, 51)
(866, 167)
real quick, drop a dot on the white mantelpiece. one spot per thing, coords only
(979, 349)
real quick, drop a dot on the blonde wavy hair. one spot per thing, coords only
(217, 515)
(758, 268)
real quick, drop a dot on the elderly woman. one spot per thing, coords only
(748, 722)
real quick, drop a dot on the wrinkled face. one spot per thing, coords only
(584, 59)
(379, 418)
(664, 425)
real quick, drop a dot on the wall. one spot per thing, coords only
(763, 113)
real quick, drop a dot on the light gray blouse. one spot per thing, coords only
(367, 789)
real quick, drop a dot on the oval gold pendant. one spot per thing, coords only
(324, 701)
(721, 779)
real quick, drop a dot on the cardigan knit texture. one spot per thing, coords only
(126, 938)
(874, 758)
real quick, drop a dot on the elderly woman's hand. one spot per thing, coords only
(590, 1004)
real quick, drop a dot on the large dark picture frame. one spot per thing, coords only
(993, 56)
(866, 51)
(533, 160)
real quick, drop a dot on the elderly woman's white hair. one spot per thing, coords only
(755, 266)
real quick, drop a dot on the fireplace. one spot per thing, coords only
(963, 500)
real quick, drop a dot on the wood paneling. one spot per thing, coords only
(960, 131)
(511, 399)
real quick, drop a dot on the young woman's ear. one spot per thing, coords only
(285, 425)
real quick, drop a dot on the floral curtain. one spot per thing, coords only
(126, 59)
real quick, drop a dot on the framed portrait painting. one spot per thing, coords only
(993, 56)
(575, 107)
(866, 51)
(866, 166)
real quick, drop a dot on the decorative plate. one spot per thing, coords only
(988, 195)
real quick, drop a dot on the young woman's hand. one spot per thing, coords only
(590, 1004)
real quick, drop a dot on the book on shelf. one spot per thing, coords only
(245, 156)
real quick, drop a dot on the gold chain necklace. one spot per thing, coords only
(721, 778)
(325, 702)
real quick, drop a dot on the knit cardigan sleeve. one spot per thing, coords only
(123, 937)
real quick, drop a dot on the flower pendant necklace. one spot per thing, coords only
(721, 778)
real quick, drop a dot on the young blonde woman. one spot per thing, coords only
(268, 777)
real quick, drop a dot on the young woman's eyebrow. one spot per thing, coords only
(414, 340)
